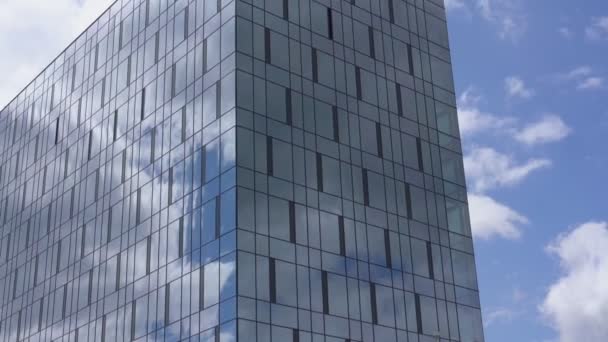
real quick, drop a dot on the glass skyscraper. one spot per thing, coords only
(240, 170)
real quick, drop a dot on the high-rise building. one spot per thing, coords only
(251, 170)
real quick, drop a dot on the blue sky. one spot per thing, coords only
(531, 78)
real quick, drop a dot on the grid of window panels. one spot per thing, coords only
(117, 182)
(352, 215)
(253, 170)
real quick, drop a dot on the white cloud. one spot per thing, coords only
(598, 29)
(550, 128)
(504, 14)
(35, 32)
(576, 305)
(490, 219)
(584, 77)
(497, 316)
(516, 87)
(471, 119)
(488, 169)
(591, 83)
(453, 4)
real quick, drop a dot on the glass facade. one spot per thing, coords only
(240, 170)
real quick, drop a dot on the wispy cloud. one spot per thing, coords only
(488, 169)
(583, 77)
(491, 219)
(472, 119)
(550, 128)
(576, 304)
(515, 87)
(591, 83)
(597, 29)
(505, 15)
(35, 31)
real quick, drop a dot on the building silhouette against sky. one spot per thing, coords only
(251, 170)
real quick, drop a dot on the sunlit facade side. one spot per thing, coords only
(251, 170)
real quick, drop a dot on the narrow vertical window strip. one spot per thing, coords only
(103, 328)
(147, 12)
(129, 71)
(120, 30)
(325, 286)
(374, 307)
(103, 92)
(96, 185)
(342, 235)
(133, 316)
(218, 99)
(124, 167)
(391, 11)
(272, 280)
(115, 129)
(286, 9)
(410, 59)
(73, 193)
(186, 18)
(167, 303)
(429, 255)
(216, 330)
(40, 314)
(296, 335)
(399, 99)
(173, 79)
(56, 131)
(267, 51)
(180, 237)
(15, 284)
(96, 56)
(83, 241)
(184, 123)
(418, 313)
(379, 140)
(330, 24)
(292, 222)
(64, 304)
(118, 262)
(419, 151)
(152, 144)
(372, 48)
(365, 188)
(358, 82)
(315, 67)
(109, 231)
(269, 156)
(288, 111)
(205, 56)
(90, 145)
(319, 172)
(19, 325)
(36, 270)
(170, 195)
(138, 207)
(387, 249)
(218, 212)
(58, 261)
(408, 201)
(148, 253)
(90, 290)
(334, 112)
(156, 47)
